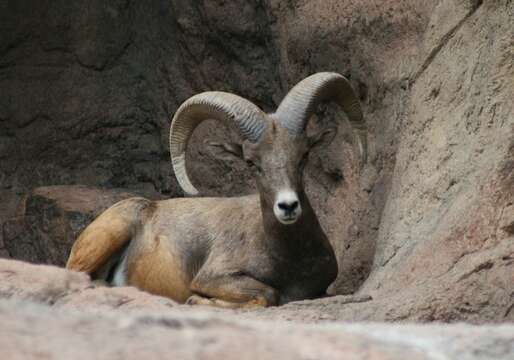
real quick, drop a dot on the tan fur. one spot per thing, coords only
(88, 255)
(228, 252)
(106, 235)
(157, 270)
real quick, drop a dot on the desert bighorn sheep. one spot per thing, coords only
(257, 250)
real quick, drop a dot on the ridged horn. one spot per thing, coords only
(228, 108)
(300, 103)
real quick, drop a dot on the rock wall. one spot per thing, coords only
(88, 89)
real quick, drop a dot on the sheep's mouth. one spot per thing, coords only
(287, 220)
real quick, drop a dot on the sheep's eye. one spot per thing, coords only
(251, 164)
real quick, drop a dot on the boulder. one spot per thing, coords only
(55, 286)
(12, 206)
(51, 219)
(47, 312)
(32, 331)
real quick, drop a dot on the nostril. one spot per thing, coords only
(288, 207)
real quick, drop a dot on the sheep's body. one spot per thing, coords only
(263, 249)
(170, 245)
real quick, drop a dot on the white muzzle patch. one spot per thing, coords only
(287, 207)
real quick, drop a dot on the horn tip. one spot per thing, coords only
(190, 191)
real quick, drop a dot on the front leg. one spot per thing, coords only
(232, 291)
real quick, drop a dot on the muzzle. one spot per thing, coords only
(287, 207)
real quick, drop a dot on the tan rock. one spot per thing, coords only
(32, 331)
(48, 312)
(56, 286)
(44, 284)
(507, 219)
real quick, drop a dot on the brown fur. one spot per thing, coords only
(147, 268)
(228, 252)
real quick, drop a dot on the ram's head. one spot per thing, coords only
(276, 145)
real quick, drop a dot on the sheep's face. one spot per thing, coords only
(278, 161)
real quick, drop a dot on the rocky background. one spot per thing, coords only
(87, 90)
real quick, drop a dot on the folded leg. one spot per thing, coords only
(232, 291)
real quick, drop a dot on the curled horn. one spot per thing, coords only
(230, 109)
(300, 103)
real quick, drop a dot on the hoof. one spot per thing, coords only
(198, 300)
(192, 300)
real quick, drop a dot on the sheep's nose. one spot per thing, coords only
(288, 207)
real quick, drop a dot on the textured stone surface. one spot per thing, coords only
(50, 218)
(54, 286)
(88, 89)
(47, 312)
(32, 331)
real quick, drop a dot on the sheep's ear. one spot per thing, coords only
(323, 137)
(226, 150)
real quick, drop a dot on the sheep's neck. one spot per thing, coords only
(304, 233)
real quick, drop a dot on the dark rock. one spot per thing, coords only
(53, 218)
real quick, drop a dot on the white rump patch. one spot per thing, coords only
(120, 273)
